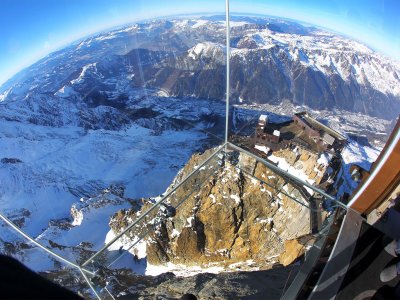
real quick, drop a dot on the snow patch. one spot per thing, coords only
(212, 198)
(324, 159)
(284, 165)
(262, 148)
(199, 23)
(181, 270)
(65, 92)
(125, 243)
(175, 233)
(236, 198)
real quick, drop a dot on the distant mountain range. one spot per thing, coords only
(272, 60)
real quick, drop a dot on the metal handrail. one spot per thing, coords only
(21, 232)
(287, 174)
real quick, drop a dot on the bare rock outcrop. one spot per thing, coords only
(233, 217)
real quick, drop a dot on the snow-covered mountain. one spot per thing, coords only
(131, 105)
(272, 60)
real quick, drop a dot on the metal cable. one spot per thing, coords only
(21, 232)
(89, 283)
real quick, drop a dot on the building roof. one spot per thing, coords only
(328, 139)
(319, 126)
(277, 133)
(263, 118)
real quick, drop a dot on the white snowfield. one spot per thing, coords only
(88, 69)
(58, 160)
(181, 270)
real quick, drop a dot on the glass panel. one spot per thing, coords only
(306, 97)
(95, 134)
(293, 79)
(105, 117)
(172, 98)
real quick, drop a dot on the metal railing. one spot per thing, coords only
(81, 269)
(287, 174)
(158, 203)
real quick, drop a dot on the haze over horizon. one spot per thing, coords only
(30, 29)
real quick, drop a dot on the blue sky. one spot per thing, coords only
(30, 29)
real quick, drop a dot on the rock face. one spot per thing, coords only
(293, 249)
(233, 217)
(127, 285)
(240, 285)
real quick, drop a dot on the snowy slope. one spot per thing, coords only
(55, 160)
(362, 156)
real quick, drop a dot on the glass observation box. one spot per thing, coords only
(167, 148)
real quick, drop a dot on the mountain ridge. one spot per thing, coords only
(272, 60)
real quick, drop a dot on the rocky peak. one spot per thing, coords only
(233, 217)
(208, 50)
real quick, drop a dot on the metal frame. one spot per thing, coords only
(307, 267)
(384, 175)
(220, 148)
(287, 174)
(228, 56)
(338, 263)
(89, 283)
(52, 253)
